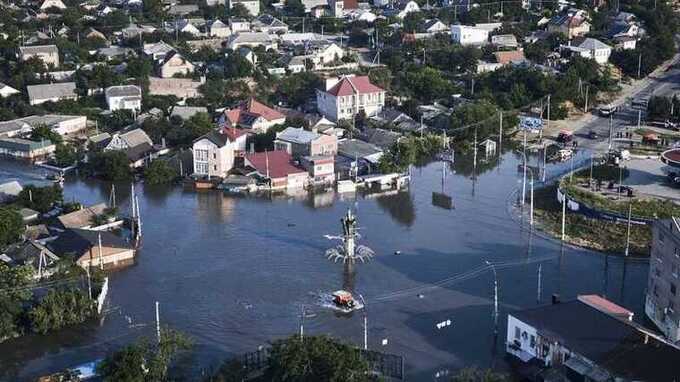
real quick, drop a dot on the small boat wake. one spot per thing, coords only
(330, 301)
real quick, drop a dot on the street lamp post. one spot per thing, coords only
(531, 185)
(365, 323)
(495, 296)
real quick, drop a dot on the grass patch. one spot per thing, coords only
(601, 235)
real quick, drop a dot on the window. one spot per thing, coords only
(518, 333)
(201, 155)
(673, 290)
(215, 167)
(214, 155)
(201, 168)
(532, 341)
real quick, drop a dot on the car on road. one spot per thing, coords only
(592, 134)
(607, 110)
(641, 102)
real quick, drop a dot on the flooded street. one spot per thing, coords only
(235, 272)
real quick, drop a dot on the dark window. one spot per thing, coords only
(673, 289)
(533, 341)
(517, 332)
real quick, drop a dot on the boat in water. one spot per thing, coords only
(343, 301)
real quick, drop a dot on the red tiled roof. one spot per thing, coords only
(604, 305)
(349, 85)
(233, 133)
(276, 163)
(254, 108)
(506, 57)
(351, 4)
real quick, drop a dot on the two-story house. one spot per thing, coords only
(49, 54)
(345, 97)
(216, 152)
(469, 35)
(299, 142)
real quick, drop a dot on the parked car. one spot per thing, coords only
(607, 110)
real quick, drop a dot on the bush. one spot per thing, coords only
(40, 199)
(60, 308)
(110, 165)
(159, 172)
(11, 226)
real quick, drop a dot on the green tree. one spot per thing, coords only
(295, 8)
(144, 361)
(40, 199)
(11, 226)
(43, 132)
(110, 165)
(13, 298)
(65, 155)
(236, 66)
(317, 358)
(159, 172)
(61, 308)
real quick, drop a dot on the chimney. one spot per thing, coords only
(555, 298)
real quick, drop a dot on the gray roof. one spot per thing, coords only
(250, 37)
(186, 112)
(36, 49)
(297, 135)
(160, 47)
(124, 91)
(352, 148)
(11, 188)
(48, 91)
(591, 44)
(136, 137)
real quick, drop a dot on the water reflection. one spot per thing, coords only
(399, 206)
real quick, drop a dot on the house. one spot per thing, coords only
(94, 34)
(433, 26)
(397, 120)
(590, 48)
(135, 30)
(384, 139)
(326, 54)
(6, 90)
(33, 255)
(136, 144)
(251, 40)
(186, 112)
(344, 97)
(219, 29)
(251, 115)
(115, 51)
(175, 64)
(61, 124)
(469, 35)
(215, 152)
(406, 7)
(178, 10)
(357, 149)
(239, 25)
(505, 41)
(588, 339)
(26, 150)
(186, 26)
(663, 296)
(509, 57)
(83, 218)
(248, 55)
(124, 97)
(573, 23)
(269, 24)
(253, 6)
(38, 94)
(157, 51)
(299, 142)
(321, 168)
(48, 4)
(92, 249)
(9, 191)
(625, 43)
(277, 169)
(49, 54)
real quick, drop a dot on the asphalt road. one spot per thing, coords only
(661, 83)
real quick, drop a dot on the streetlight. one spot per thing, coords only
(495, 296)
(365, 322)
(531, 184)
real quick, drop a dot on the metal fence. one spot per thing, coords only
(386, 365)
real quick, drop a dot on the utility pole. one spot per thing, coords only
(618, 189)
(524, 175)
(158, 323)
(538, 290)
(611, 128)
(639, 118)
(564, 213)
(89, 282)
(500, 132)
(101, 259)
(302, 323)
(495, 297)
(365, 322)
(639, 65)
(630, 210)
(531, 207)
(586, 104)
(472, 87)
(547, 123)
(590, 180)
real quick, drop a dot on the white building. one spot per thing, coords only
(343, 98)
(6, 90)
(125, 97)
(47, 4)
(214, 153)
(253, 6)
(219, 29)
(239, 25)
(49, 54)
(591, 48)
(468, 35)
(406, 8)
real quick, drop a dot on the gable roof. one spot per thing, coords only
(252, 109)
(136, 137)
(123, 91)
(592, 44)
(77, 241)
(353, 85)
(81, 218)
(275, 163)
(49, 91)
